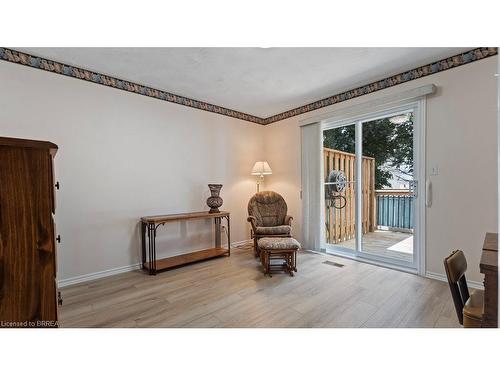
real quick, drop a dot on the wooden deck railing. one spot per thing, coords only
(340, 223)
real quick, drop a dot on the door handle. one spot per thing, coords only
(428, 193)
(58, 238)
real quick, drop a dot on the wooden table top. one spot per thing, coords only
(489, 256)
(184, 216)
(19, 142)
(491, 242)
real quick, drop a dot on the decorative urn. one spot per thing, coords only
(214, 201)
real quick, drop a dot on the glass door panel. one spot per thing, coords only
(387, 188)
(339, 162)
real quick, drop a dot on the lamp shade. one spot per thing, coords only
(261, 168)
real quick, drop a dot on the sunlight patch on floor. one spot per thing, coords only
(405, 246)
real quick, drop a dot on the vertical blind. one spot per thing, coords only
(312, 187)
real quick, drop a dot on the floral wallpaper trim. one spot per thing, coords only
(102, 79)
(423, 71)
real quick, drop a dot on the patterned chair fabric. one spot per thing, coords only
(278, 229)
(267, 213)
(268, 208)
(272, 243)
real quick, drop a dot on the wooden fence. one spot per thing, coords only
(340, 223)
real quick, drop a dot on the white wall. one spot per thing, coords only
(461, 140)
(122, 156)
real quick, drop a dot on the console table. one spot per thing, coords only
(149, 225)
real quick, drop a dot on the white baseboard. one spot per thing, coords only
(239, 243)
(441, 277)
(114, 271)
(96, 275)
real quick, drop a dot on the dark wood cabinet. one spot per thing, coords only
(28, 290)
(489, 267)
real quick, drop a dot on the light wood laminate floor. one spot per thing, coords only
(233, 292)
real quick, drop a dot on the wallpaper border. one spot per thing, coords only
(25, 59)
(33, 61)
(410, 75)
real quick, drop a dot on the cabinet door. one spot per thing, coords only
(27, 287)
(52, 183)
(46, 240)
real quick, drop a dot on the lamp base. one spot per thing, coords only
(260, 180)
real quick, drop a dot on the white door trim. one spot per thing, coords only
(420, 169)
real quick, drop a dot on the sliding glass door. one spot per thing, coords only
(370, 166)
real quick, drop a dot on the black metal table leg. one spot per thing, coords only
(143, 239)
(228, 236)
(218, 242)
(152, 248)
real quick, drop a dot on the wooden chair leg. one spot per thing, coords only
(287, 256)
(264, 261)
(268, 263)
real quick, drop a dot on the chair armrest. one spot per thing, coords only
(252, 220)
(288, 220)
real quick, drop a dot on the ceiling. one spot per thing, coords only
(257, 81)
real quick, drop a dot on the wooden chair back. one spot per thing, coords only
(455, 266)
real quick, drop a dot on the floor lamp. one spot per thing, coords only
(261, 168)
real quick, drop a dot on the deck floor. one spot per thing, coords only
(397, 245)
(233, 292)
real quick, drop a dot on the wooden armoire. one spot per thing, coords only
(28, 290)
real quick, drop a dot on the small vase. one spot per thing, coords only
(214, 201)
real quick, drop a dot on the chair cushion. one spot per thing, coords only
(473, 308)
(273, 243)
(276, 230)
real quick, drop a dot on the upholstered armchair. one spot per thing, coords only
(267, 212)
